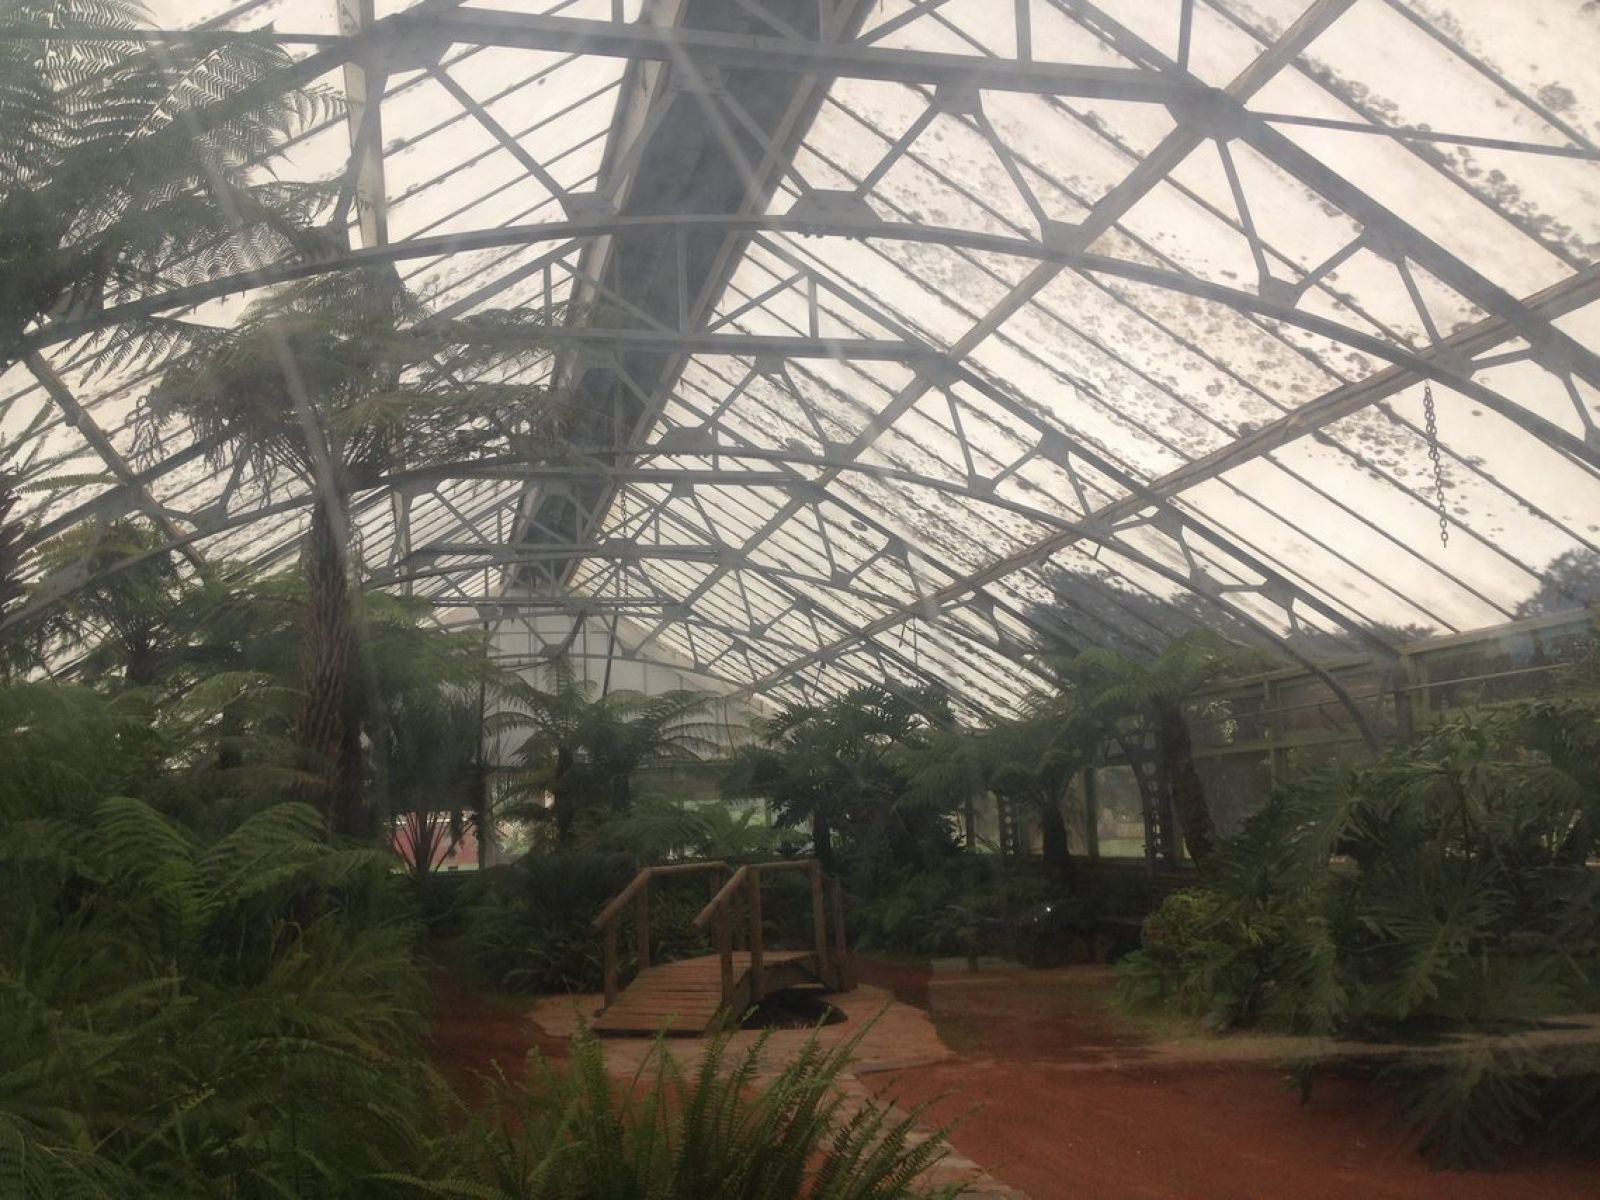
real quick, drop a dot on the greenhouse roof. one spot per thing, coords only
(906, 336)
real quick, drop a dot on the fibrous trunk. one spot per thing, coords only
(1053, 833)
(10, 548)
(566, 810)
(822, 838)
(1188, 792)
(331, 748)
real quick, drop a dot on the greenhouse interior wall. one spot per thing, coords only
(1258, 732)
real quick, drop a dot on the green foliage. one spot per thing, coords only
(125, 169)
(838, 767)
(1117, 686)
(527, 924)
(232, 1009)
(1445, 889)
(327, 380)
(661, 830)
(123, 614)
(718, 1132)
(10, 551)
(1141, 707)
(185, 1013)
(428, 764)
(963, 905)
(582, 750)
(1031, 758)
(331, 382)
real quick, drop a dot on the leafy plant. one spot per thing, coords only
(582, 750)
(127, 168)
(123, 614)
(429, 766)
(661, 830)
(1031, 760)
(720, 1132)
(1140, 705)
(964, 906)
(10, 548)
(1445, 890)
(186, 1014)
(836, 767)
(527, 923)
(331, 382)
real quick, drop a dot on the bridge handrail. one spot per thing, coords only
(617, 903)
(744, 881)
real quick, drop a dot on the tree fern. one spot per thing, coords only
(583, 749)
(125, 168)
(322, 381)
(182, 1014)
(840, 767)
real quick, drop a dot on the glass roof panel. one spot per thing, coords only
(942, 362)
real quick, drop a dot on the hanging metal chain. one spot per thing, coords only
(1431, 427)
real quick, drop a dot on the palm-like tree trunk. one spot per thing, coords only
(822, 838)
(10, 548)
(1053, 834)
(1188, 792)
(563, 802)
(332, 750)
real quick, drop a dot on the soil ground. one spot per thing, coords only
(475, 1034)
(1060, 1096)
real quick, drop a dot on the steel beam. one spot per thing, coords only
(441, 24)
(1420, 365)
(675, 115)
(83, 421)
(1392, 236)
(619, 550)
(364, 84)
(789, 55)
(750, 345)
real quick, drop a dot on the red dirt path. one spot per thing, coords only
(473, 1035)
(1065, 1109)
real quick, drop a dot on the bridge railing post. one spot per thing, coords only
(641, 926)
(637, 893)
(757, 990)
(609, 957)
(725, 951)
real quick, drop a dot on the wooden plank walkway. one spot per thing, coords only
(685, 997)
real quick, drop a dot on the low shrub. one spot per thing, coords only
(1445, 890)
(235, 1013)
(526, 927)
(714, 1134)
(963, 906)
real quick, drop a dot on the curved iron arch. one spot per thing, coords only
(1443, 372)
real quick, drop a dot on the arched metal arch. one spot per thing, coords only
(520, 470)
(615, 550)
(1423, 366)
(742, 644)
(584, 607)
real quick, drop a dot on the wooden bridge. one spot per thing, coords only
(688, 995)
